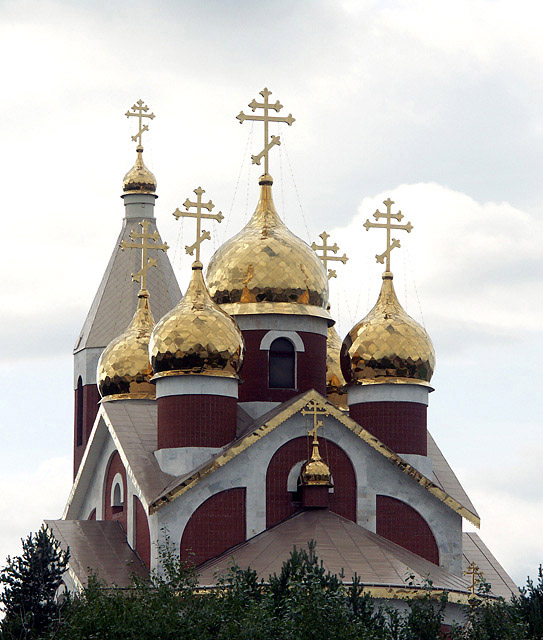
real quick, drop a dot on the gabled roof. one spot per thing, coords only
(276, 417)
(475, 550)
(98, 547)
(116, 299)
(344, 548)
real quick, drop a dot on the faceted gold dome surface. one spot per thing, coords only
(387, 344)
(139, 179)
(124, 370)
(197, 336)
(334, 376)
(315, 471)
(265, 264)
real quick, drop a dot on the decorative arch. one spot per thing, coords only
(271, 336)
(400, 523)
(92, 515)
(142, 535)
(115, 475)
(279, 500)
(218, 524)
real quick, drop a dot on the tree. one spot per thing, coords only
(30, 583)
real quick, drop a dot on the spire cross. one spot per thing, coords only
(315, 409)
(139, 110)
(476, 576)
(266, 119)
(392, 243)
(199, 215)
(146, 262)
(326, 258)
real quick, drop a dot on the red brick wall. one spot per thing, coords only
(400, 523)
(310, 369)
(279, 501)
(142, 535)
(114, 513)
(399, 425)
(196, 421)
(218, 524)
(87, 411)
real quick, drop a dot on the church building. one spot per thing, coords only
(235, 421)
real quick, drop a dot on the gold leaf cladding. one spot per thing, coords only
(124, 370)
(266, 263)
(197, 336)
(387, 343)
(335, 381)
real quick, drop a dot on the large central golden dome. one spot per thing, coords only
(265, 267)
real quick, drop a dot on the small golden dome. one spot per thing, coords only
(387, 345)
(197, 336)
(315, 471)
(335, 381)
(266, 263)
(139, 179)
(124, 370)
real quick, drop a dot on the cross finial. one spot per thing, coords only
(148, 241)
(199, 215)
(325, 257)
(476, 576)
(315, 409)
(392, 243)
(139, 110)
(266, 118)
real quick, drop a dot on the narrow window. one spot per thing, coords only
(79, 412)
(282, 364)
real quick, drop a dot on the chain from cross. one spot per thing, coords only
(326, 258)
(392, 243)
(199, 215)
(146, 262)
(476, 576)
(315, 409)
(266, 118)
(139, 110)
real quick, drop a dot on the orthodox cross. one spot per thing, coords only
(476, 576)
(199, 215)
(315, 409)
(148, 241)
(326, 258)
(139, 110)
(266, 119)
(392, 243)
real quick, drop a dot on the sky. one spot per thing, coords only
(437, 105)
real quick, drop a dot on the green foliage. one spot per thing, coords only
(530, 606)
(30, 582)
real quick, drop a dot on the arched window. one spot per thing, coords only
(117, 494)
(79, 412)
(282, 363)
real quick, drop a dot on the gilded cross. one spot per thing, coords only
(476, 576)
(199, 215)
(266, 118)
(315, 409)
(392, 243)
(326, 258)
(139, 111)
(149, 241)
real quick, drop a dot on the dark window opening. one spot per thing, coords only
(79, 413)
(282, 364)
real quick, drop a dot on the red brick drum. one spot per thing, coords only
(196, 421)
(399, 425)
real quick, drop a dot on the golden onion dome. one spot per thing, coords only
(387, 345)
(197, 336)
(265, 268)
(139, 179)
(335, 382)
(315, 471)
(124, 370)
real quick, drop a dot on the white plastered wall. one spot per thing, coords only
(375, 475)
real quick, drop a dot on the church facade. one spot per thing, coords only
(239, 424)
